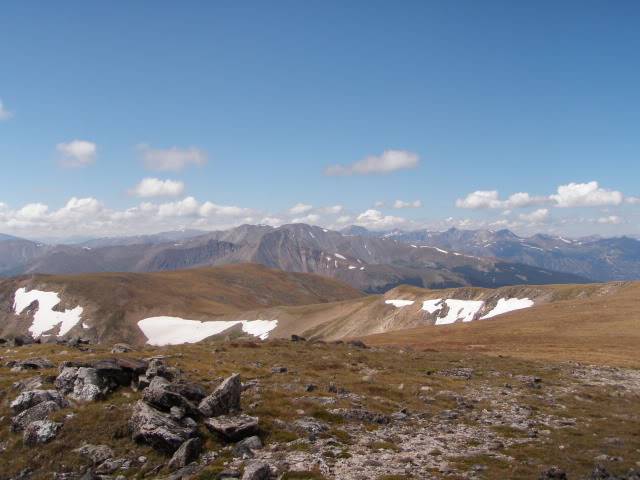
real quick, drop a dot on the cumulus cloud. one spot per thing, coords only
(77, 153)
(389, 161)
(402, 204)
(332, 210)
(171, 159)
(538, 216)
(209, 209)
(488, 199)
(300, 208)
(586, 195)
(376, 220)
(633, 200)
(609, 220)
(154, 187)
(379, 204)
(4, 113)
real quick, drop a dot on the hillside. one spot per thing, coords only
(603, 327)
(112, 303)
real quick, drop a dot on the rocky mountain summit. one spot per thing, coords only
(297, 409)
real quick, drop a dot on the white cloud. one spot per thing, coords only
(333, 210)
(376, 220)
(186, 207)
(32, 211)
(154, 187)
(585, 195)
(610, 220)
(633, 200)
(379, 204)
(312, 219)
(538, 216)
(402, 204)
(209, 209)
(77, 153)
(77, 209)
(4, 113)
(272, 221)
(343, 219)
(171, 159)
(485, 199)
(300, 208)
(389, 161)
(480, 199)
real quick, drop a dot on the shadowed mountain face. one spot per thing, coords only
(599, 259)
(369, 263)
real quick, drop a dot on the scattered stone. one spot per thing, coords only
(256, 471)
(121, 348)
(96, 453)
(158, 429)
(35, 363)
(33, 383)
(357, 344)
(187, 453)
(225, 399)
(311, 427)
(233, 429)
(279, 369)
(310, 387)
(298, 338)
(158, 368)
(40, 431)
(553, 473)
(361, 415)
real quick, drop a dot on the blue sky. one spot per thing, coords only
(251, 102)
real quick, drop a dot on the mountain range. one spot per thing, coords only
(368, 261)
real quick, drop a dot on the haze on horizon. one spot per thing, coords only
(159, 116)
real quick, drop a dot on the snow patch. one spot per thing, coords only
(399, 303)
(175, 331)
(432, 306)
(505, 305)
(337, 255)
(45, 317)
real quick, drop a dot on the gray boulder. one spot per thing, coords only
(256, 471)
(30, 398)
(87, 385)
(33, 383)
(162, 395)
(245, 448)
(40, 431)
(41, 411)
(224, 400)
(234, 428)
(187, 453)
(158, 429)
(35, 363)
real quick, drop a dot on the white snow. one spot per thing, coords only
(464, 310)
(505, 305)
(414, 246)
(361, 268)
(337, 255)
(325, 230)
(432, 306)
(351, 267)
(435, 248)
(399, 303)
(45, 317)
(312, 235)
(174, 330)
(86, 326)
(565, 240)
(328, 259)
(531, 246)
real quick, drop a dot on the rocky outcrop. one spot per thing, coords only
(224, 400)
(95, 453)
(159, 429)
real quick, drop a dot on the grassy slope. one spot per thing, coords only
(113, 302)
(599, 329)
